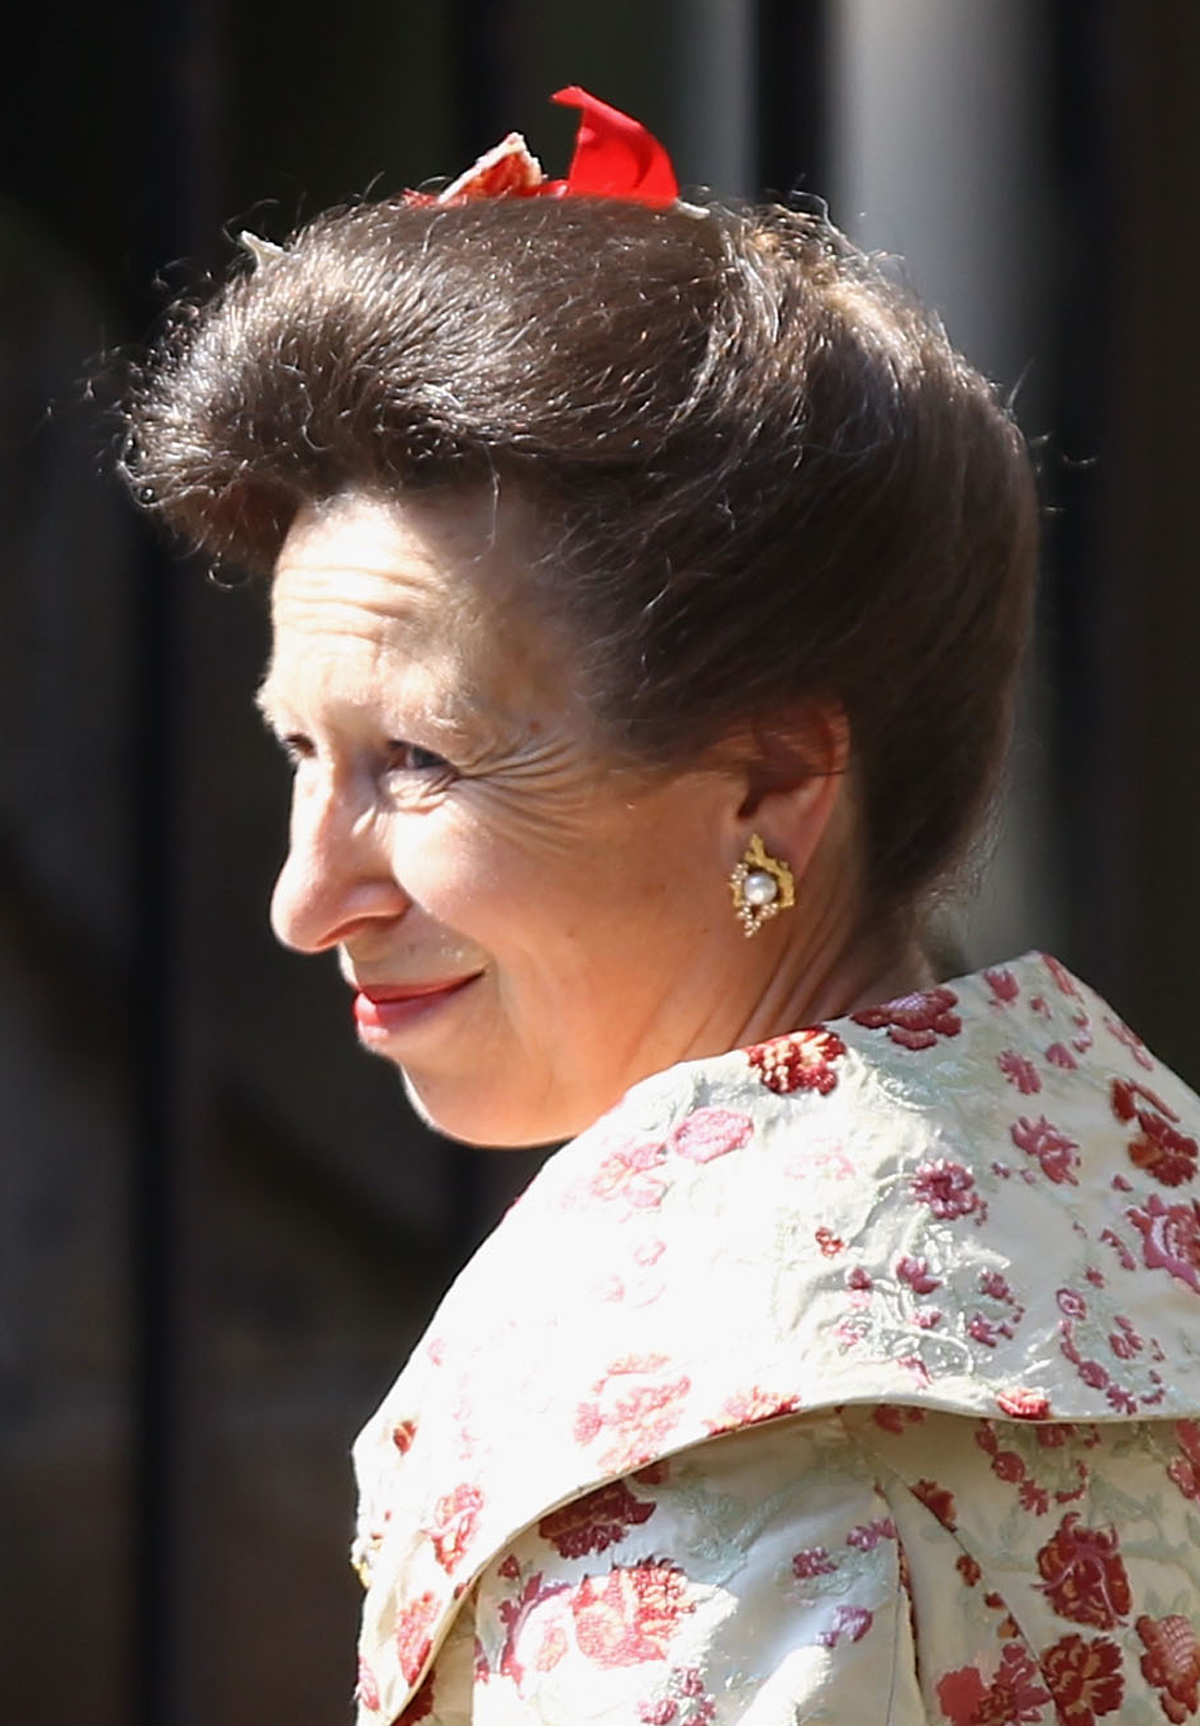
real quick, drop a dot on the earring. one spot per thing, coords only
(761, 885)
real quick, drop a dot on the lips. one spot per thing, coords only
(381, 992)
(382, 1008)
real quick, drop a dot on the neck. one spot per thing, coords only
(830, 980)
(833, 957)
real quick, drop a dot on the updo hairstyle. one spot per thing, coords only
(763, 474)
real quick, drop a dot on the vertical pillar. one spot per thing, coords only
(1142, 879)
(173, 154)
(714, 70)
(938, 153)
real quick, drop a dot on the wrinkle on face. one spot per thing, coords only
(482, 649)
(465, 668)
(590, 899)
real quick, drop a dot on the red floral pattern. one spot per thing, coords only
(1170, 1238)
(421, 1706)
(413, 1640)
(1158, 1146)
(597, 1520)
(1063, 980)
(848, 1624)
(515, 1615)
(813, 1561)
(366, 1690)
(455, 1519)
(1015, 1696)
(1020, 1071)
(630, 1615)
(947, 1188)
(747, 1408)
(1083, 1575)
(709, 1133)
(686, 1701)
(915, 1021)
(1084, 1679)
(658, 1713)
(894, 1417)
(918, 1276)
(1184, 1469)
(1004, 986)
(1171, 1664)
(629, 1173)
(960, 1693)
(639, 1403)
(802, 1061)
(1057, 1154)
(867, 1535)
(936, 1499)
(1023, 1404)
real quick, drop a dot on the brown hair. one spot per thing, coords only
(765, 474)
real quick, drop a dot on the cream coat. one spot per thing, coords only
(853, 1377)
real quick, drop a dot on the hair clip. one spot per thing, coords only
(262, 251)
(615, 157)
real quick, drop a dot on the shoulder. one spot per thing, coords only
(859, 1213)
(962, 1568)
(856, 1213)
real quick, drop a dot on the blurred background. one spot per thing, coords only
(219, 1229)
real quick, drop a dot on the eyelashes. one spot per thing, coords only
(296, 748)
(412, 758)
(399, 756)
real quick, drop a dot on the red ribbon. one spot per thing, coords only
(615, 156)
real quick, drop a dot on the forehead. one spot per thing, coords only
(368, 585)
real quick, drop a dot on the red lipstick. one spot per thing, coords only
(383, 1008)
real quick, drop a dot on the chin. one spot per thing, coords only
(470, 1119)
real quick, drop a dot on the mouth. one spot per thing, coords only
(381, 1009)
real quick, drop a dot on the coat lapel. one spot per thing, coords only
(972, 1200)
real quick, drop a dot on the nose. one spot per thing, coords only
(336, 878)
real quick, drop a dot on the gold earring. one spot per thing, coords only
(761, 885)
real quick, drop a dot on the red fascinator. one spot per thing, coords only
(615, 157)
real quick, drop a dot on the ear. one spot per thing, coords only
(797, 787)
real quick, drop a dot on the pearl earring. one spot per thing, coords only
(761, 885)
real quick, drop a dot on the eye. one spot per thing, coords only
(411, 758)
(297, 747)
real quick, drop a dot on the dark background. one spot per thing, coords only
(219, 1229)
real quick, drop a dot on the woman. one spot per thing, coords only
(649, 587)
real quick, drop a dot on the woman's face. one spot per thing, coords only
(526, 929)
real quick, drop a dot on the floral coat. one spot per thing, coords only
(850, 1378)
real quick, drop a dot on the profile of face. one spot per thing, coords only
(527, 928)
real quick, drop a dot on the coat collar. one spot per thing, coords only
(858, 1212)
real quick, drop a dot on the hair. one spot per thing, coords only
(766, 478)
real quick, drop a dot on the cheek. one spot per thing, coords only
(463, 870)
(591, 885)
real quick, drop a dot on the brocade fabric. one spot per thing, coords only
(853, 1377)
